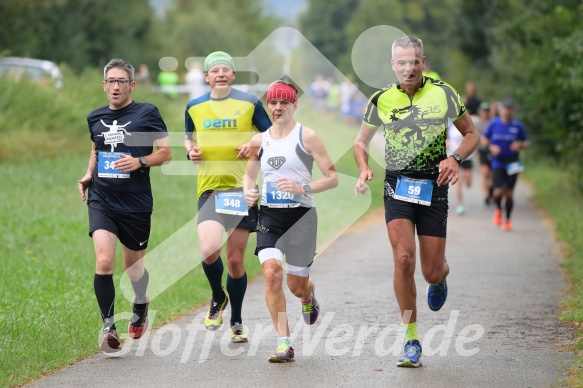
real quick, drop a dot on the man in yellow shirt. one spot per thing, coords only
(219, 126)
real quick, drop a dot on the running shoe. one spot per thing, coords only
(109, 339)
(436, 295)
(238, 334)
(497, 220)
(507, 226)
(412, 356)
(284, 353)
(214, 318)
(460, 210)
(311, 308)
(139, 322)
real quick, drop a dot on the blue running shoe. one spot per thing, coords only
(436, 295)
(412, 356)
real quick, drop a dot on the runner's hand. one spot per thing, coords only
(449, 172)
(289, 186)
(195, 155)
(243, 151)
(127, 163)
(361, 186)
(494, 149)
(83, 185)
(251, 197)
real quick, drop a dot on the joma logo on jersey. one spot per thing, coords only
(276, 162)
(220, 123)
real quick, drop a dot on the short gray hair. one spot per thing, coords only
(119, 64)
(407, 41)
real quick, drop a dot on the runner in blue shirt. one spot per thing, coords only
(505, 136)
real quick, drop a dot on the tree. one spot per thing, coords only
(324, 25)
(194, 29)
(78, 32)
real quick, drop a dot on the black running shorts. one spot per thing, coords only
(132, 229)
(501, 179)
(428, 220)
(291, 230)
(485, 156)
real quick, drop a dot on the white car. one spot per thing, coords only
(37, 70)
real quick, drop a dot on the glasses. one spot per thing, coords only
(120, 82)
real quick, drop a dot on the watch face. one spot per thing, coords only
(143, 161)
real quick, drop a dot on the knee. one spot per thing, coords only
(104, 265)
(405, 263)
(209, 254)
(236, 260)
(297, 286)
(432, 277)
(434, 274)
(135, 272)
(273, 274)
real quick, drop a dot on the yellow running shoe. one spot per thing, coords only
(214, 318)
(238, 334)
(284, 353)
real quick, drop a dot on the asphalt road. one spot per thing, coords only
(498, 327)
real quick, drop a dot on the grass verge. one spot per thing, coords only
(558, 196)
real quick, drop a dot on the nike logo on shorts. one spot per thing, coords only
(142, 243)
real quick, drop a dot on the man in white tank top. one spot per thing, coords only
(287, 216)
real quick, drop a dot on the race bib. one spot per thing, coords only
(514, 168)
(105, 167)
(231, 202)
(414, 190)
(278, 198)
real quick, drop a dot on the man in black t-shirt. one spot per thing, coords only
(119, 192)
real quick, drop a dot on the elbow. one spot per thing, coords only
(334, 181)
(168, 157)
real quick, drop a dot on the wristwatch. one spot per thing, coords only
(307, 190)
(457, 158)
(143, 161)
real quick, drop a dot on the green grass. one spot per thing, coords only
(558, 195)
(49, 317)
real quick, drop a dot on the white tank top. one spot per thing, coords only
(285, 158)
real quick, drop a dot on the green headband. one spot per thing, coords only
(218, 58)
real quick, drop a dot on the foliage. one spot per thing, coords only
(567, 216)
(38, 121)
(194, 29)
(420, 18)
(324, 25)
(537, 54)
(76, 32)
